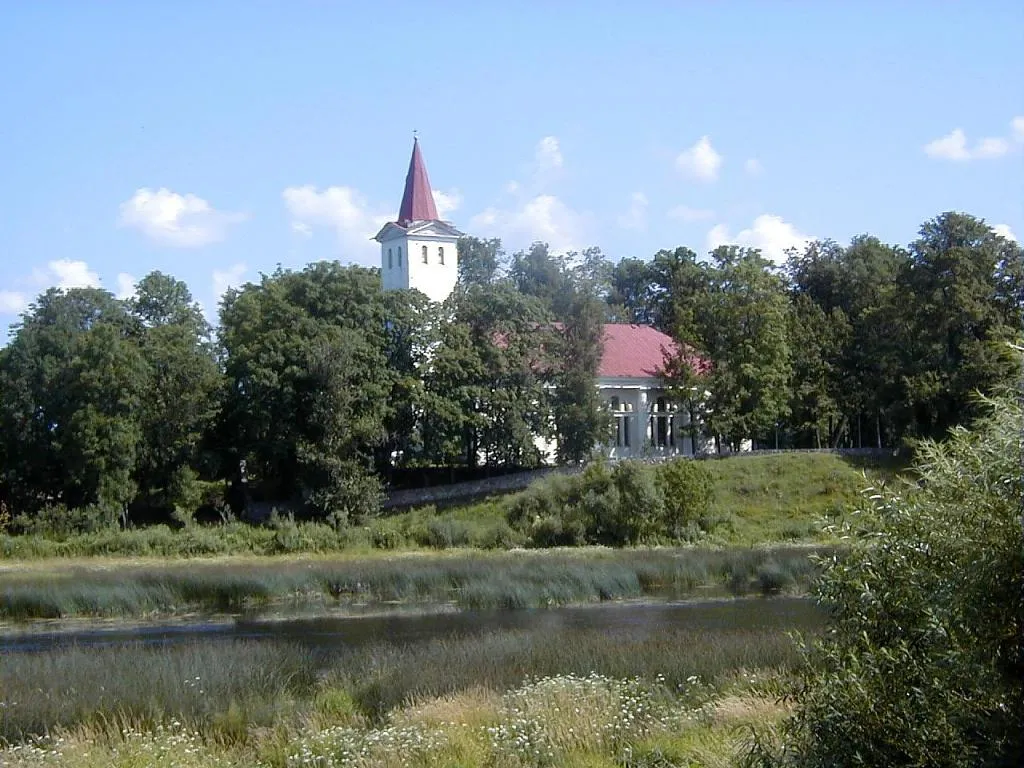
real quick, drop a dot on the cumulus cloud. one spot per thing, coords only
(700, 161)
(66, 274)
(13, 302)
(1004, 231)
(530, 211)
(181, 221)
(548, 156)
(543, 217)
(1017, 125)
(769, 233)
(342, 209)
(446, 202)
(686, 213)
(956, 147)
(635, 216)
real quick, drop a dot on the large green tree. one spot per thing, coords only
(309, 385)
(71, 386)
(965, 306)
(739, 322)
(183, 387)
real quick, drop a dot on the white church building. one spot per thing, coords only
(420, 251)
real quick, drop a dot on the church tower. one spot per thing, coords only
(418, 250)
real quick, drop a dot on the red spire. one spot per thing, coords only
(417, 201)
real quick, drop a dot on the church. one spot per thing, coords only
(419, 250)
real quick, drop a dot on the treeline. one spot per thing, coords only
(318, 387)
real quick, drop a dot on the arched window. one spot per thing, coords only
(440, 255)
(423, 251)
(399, 257)
(390, 262)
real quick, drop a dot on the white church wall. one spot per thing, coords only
(434, 279)
(394, 276)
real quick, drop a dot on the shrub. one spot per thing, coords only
(686, 487)
(924, 664)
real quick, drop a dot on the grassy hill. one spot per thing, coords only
(788, 497)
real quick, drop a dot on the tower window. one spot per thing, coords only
(390, 261)
(423, 250)
(399, 257)
(440, 254)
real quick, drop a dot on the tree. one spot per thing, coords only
(678, 283)
(309, 382)
(509, 345)
(581, 422)
(818, 341)
(960, 276)
(923, 661)
(630, 296)
(71, 384)
(538, 273)
(479, 260)
(182, 393)
(411, 334)
(740, 324)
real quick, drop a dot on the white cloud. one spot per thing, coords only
(955, 146)
(992, 147)
(951, 147)
(753, 166)
(446, 202)
(548, 156)
(1004, 231)
(768, 233)
(182, 221)
(231, 277)
(342, 209)
(635, 217)
(66, 274)
(1017, 125)
(700, 161)
(686, 213)
(544, 217)
(12, 302)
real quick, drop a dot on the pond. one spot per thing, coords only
(324, 633)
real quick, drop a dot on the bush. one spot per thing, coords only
(615, 505)
(687, 490)
(925, 661)
(58, 522)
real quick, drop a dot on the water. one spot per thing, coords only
(335, 632)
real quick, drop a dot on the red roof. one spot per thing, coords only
(417, 200)
(638, 352)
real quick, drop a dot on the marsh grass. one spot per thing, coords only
(226, 690)
(469, 580)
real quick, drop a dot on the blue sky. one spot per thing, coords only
(215, 140)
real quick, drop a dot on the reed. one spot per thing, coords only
(467, 579)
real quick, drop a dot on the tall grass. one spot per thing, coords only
(497, 580)
(224, 689)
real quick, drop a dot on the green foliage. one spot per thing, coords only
(924, 661)
(308, 382)
(687, 489)
(615, 506)
(472, 580)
